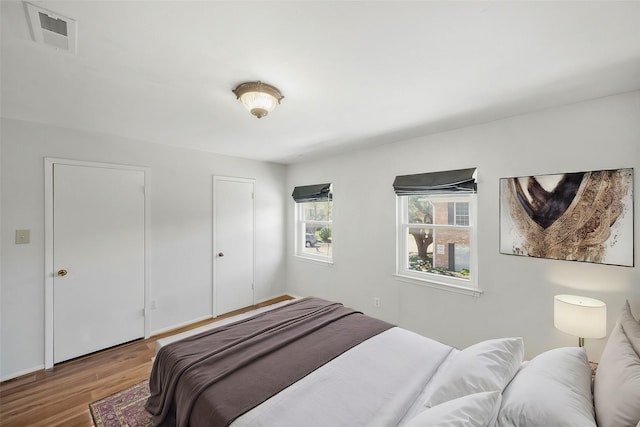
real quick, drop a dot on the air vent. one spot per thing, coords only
(52, 29)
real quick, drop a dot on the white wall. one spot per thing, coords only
(180, 249)
(518, 291)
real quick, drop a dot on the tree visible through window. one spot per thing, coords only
(314, 206)
(421, 212)
(438, 235)
(314, 222)
(436, 227)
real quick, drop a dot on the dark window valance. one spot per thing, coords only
(312, 193)
(446, 182)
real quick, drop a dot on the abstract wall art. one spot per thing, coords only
(578, 216)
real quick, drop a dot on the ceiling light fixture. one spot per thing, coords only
(257, 97)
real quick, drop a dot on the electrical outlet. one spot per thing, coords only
(377, 302)
(154, 305)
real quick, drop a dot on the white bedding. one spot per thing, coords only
(398, 377)
(377, 383)
(381, 382)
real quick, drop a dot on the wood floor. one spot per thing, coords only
(60, 396)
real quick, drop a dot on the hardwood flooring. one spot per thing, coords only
(61, 396)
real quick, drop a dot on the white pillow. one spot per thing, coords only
(616, 389)
(631, 327)
(486, 366)
(552, 390)
(473, 410)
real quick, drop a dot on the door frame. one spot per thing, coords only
(216, 179)
(49, 272)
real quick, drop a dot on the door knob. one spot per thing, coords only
(220, 254)
(62, 273)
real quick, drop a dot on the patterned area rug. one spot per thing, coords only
(123, 409)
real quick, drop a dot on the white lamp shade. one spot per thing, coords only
(580, 316)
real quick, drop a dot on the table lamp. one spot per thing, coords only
(580, 316)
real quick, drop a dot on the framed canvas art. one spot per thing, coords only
(578, 216)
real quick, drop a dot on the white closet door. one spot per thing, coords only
(233, 244)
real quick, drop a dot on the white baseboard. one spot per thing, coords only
(180, 325)
(273, 297)
(21, 373)
(207, 317)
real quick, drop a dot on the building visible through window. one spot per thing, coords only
(436, 227)
(438, 237)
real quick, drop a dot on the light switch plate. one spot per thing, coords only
(23, 236)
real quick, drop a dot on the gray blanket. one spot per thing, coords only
(212, 378)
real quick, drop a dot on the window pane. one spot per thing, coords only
(317, 211)
(318, 240)
(444, 212)
(420, 210)
(441, 251)
(425, 210)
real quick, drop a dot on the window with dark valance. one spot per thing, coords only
(436, 229)
(445, 182)
(312, 193)
(314, 211)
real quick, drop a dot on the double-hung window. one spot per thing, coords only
(314, 210)
(436, 229)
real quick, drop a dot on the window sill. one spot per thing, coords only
(465, 290)
(314, 260)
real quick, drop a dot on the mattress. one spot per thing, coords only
(380, 382)
(399, 378)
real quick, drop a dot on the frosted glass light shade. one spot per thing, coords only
(257, 97)
(253, 101)
(580, 316)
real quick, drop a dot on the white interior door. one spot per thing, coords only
(98, 258)
(233, 244)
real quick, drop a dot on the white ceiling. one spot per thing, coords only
(354, 73)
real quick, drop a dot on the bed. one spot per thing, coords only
(388, 376)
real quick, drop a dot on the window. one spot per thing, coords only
(459, 214)
(314, 206)
(436, 229)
